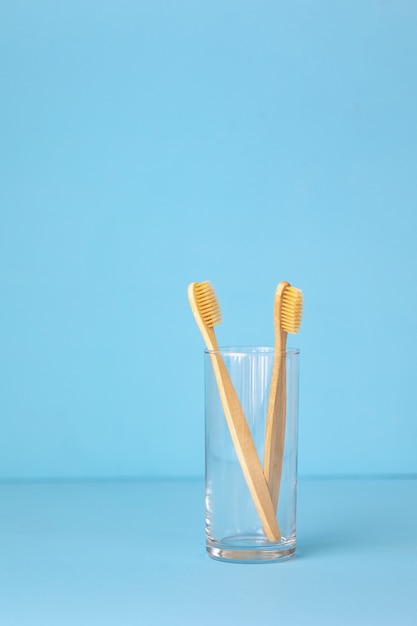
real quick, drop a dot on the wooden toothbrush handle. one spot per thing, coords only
(276, 422)
(245, 450)
(275, 434)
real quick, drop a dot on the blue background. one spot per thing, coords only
(148, 145)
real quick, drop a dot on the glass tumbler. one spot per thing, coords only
(234, 530)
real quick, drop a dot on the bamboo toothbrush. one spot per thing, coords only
(206, 311)
(288, 304)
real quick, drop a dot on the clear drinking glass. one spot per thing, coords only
(234, 530)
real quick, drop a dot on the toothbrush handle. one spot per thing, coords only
(245, 450)
(275, 429)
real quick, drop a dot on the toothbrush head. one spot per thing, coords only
(203, 296)
(291, 309)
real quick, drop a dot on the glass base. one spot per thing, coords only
(250, 549)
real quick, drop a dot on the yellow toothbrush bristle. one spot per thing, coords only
(291, 309)
(207, 303)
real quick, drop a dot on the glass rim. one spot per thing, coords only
(250, 351)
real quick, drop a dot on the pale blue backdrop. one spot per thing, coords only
(145, 145)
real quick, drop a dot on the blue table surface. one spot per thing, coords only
(125, 553)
